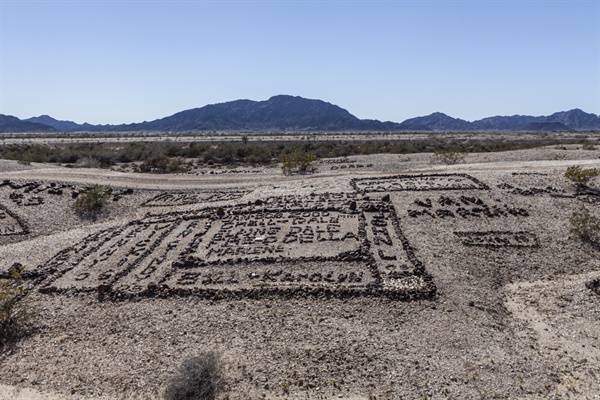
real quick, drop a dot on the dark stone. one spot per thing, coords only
(594, 285)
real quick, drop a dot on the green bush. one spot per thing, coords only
(198, 378)
(298, 161)
(92, 199)
(585, 225)
(15, 313)
(580, 176)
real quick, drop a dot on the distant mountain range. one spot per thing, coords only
(297, 114)
(8, 123)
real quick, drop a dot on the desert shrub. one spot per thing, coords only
(162, 164)
(198, 378)
(587, 145)
(448, 156)
(585, 225)
(92, 199)
(298, 161)
(580, 176)
(15, 313)
(260, 156)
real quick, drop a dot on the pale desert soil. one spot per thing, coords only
(507, 322)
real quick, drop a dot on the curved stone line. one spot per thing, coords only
(5, 229)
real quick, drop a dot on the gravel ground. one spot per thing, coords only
(508, 322)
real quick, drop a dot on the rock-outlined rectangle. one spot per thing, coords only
(423, 182)
(325, 244)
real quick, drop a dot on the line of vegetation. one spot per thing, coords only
(169, 157)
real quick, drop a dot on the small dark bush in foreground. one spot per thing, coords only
(15, 314)
(198, 378)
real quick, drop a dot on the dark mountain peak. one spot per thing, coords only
(278, 113)
(576, 118)
(502, 123)
(63, 126)
(10, 124)
(287, 98)
(440, 122)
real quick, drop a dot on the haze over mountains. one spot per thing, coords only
(294, 114)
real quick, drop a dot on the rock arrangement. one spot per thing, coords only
(463, 206)
(350, 166)
(276, 246)
(588, 194)
(418, 183)
(551, 190)
(529, 174)
(593, 284)
(11, 223)
(226, 172)
(31, 193)
(185, 198)
(493, 239)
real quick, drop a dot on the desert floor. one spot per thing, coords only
(377, 277)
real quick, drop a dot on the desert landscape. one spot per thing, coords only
(303, 200)
(378, 276)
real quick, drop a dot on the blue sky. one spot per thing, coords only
(129, 61)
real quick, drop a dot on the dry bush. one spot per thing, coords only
(587, 145)
(93, 199)
(586, 226)
(448, 156)
(198, 378)
(15, 313)
(580, 176)
(299, 161)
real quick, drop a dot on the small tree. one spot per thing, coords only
(299, 161)
(93, 199)
(15, 315)
(198, 378)
(585, 225)
(580, 176)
